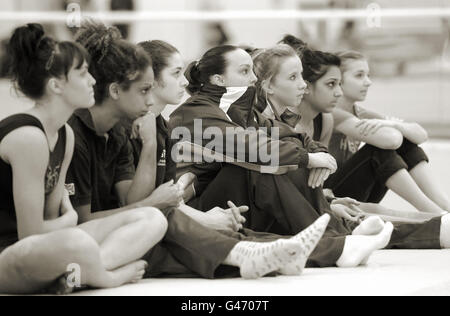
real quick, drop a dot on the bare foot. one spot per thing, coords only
(309, 238)
(371, 226)
(60, 286)
(131, 273)
(357, 249)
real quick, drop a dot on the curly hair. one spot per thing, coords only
(114, 60)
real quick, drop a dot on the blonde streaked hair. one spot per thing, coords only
(349, 56)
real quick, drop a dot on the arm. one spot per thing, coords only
(327, 128)
(85, 213)
(384, 137)
(53, 205)
(144, 180)
(251, 145)
(411, 131)
(28, 180)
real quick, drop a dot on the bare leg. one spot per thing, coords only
(404, 185)
(358, 249)
(391, 215)
(33, 264)
(128, 236)
(423, 176)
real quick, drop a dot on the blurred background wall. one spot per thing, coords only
(410, 57)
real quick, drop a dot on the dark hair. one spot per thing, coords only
(297, 44)
(113, 59)
(316, 64)
(212, 63)
(160, 52)
(35, 58)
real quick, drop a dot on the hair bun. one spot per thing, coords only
(97, 38)
(296, 43)
(27, 39)
(192, 74)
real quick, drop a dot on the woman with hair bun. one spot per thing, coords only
(39, 236)
(106, 183)
(392, 154)
(282, 77)
(223, 91)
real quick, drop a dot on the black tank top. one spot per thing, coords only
(8, 224)
(318, 127)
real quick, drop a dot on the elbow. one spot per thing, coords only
(391, 140)
(423, 135)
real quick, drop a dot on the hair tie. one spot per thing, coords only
(50, 61)
(106, 44)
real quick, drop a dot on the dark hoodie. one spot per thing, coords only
(225, 108)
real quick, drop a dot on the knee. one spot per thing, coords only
(71, 244)
(77, 243)
(154, 220)
(393, 140)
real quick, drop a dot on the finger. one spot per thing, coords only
(356, 209)
(316, 178)
(234, 222)
(311, 177)
(236, 210)
(372, 128)
(347, 216)
(327, 175)
(365, 128)
(354, 219)
(353, 212)
(352, 201)
(243, 209)
(236, 214)
(361, 122)
(231, 204)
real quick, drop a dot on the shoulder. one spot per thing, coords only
(340, 115)
(28, 137)
(18, 145)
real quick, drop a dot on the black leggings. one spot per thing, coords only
(363, 177)
(285, 205)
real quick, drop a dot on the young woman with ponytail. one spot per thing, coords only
(39, 236)
(223, 98)
(126, 90)
(281, 76)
